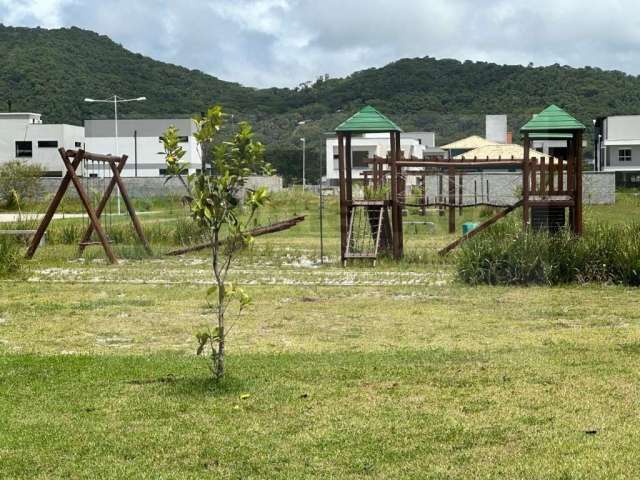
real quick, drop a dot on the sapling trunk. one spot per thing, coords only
(218, 355)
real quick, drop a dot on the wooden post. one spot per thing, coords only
(452, 200)
(395, 220)
(400, 202)
(343, 197)
(544, 187)
(525, 182)
(571, 183)
(348, 169)
(561, 188)
(423, 211)
(125, 197)
(440, 194)
(533, 173)
(55, 202)
(461, 194)
(578, 193)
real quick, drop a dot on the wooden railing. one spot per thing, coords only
(548, 176)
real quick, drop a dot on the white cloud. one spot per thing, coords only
(285, 42)
(45, 13)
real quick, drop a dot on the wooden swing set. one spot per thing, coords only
(550, 187)
(72, 159)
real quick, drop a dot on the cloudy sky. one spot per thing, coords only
(285, 42)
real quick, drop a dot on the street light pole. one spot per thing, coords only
(115, 100)
(304, 161)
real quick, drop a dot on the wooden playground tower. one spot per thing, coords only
(551, 191)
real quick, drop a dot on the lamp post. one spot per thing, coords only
(302, 123)
(304, 161)
(116, 100)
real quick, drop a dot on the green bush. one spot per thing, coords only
(10, 256)
(19, 182)
(505, 255)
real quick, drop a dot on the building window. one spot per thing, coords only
(52, 174)
(48, 144)
(78, 144)
(360, 159)
(163, 172)
(624, 155)
(24, 149)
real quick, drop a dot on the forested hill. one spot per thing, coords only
(51, 71)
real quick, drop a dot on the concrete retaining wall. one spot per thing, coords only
(599, 188)
(150, 187)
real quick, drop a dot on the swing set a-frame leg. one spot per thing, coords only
(53, 206)
(125, 198)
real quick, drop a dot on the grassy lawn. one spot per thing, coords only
(393, 372)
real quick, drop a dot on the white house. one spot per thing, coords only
(365, 147)
(617, 147)
(141, 141)
(23, 136)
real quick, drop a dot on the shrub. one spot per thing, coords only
(19, 181)
(504, 255)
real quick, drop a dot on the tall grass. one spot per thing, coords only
(505, 255)
(10, 256)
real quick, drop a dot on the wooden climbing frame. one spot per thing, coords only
(72, 160)
(550, 185)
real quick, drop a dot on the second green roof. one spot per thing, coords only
(368, 120)
(552, 119)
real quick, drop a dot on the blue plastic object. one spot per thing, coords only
(469, 226)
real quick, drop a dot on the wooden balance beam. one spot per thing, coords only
(480, 228)
(256, 232)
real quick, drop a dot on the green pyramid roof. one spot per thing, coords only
(552, 119)
(368, 120)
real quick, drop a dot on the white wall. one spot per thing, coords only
(616, 165)
(374, 144)
(150, 156)
(48, 158)
(496, 128)
(625, 127)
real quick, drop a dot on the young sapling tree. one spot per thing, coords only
(216, 203)
(174, 154)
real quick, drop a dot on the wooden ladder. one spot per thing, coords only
(369, 229)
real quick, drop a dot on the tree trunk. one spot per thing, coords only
(219, 373)
(220, 365)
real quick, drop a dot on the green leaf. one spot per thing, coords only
(203, 338)
(212, 291)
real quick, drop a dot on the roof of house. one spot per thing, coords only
(500, 151)
(469, 143)
(368, 120)
(551, 119)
